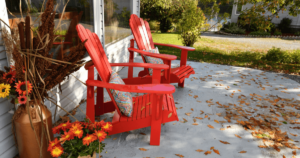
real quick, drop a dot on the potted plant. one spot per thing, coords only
(79, 139)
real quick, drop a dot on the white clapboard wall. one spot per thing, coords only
(73, 91)
(282, 14)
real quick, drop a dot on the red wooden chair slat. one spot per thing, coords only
(142, 35)
(141, 116)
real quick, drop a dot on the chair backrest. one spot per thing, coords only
(96, 52)
(141, 32)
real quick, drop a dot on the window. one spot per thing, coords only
(116, 17)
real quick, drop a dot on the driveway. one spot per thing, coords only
(224, 111)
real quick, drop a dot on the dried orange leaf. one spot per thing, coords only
(207, 152)
(143, 149)
(294, 152)
(224, 142)
(242, 151)
(143, 133)
(206, 116)
(216, 151)
(216, 121)
(188, 114)
(195, 124)
(192, 109)
(276, 148)
(199, 150)
(219, 114)
(170, 114)
(142, 108)
(200, 118)
(262, 146)
(210, 126)
(179, 155)
(238, 136)
(212, 148)
(283, 156)
(222, 129)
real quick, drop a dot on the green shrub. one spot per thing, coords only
(297, 33)
(277, 32)
(296, 57)
(272, 27)
(165, 25)
(280, 56)
(234, 29)
(153, 25)
(260, 33)
(285, 25)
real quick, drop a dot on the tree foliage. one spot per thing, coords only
(262, 12)
(191, 22)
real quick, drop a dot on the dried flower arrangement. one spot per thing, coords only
(79, 138)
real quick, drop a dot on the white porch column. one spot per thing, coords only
(135, 7)
(4, 18)
(99, 19)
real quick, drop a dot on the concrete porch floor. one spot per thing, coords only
(215, 91)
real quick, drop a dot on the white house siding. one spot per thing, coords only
(73, 91)
(284, 14)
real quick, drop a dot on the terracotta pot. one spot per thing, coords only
(94, 156)
(26, 139)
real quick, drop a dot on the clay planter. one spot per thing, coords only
(26, 138)
(94, 156)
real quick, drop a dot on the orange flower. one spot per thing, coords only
(78, 132)
(67, 136)
(101, 135)
(57, 151)
(88, 139)
(56, 130)
(21, 87)
(9, 76)
(99, 124)
(107, 127)
(76, 126)
(22, 99)
(53, 143)
(90, 126)
(65, 126)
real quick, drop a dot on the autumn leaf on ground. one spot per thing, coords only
(207, 152)
(295, 135)
(262, 146)
(276, 148)
(192, 109)
(188, 114)
(294, 152)
(143, 133)
(114, 138)
(216, 121)
(283, 156)
(216, 151)
(199, 150)
(170, 114)
(238, 136)
(195, 96)
(222, 129)
(179, 155)
(210, 126)
(242, 151)
(206, 116)
(195, 124)
(200, 118)
(212, 148)
(224, 142)
(219, 114)
(143, 149)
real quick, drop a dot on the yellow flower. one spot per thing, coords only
(4, 90)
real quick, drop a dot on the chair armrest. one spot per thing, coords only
(161, 56)
(144, 65)
(145, 88)
(176, 46)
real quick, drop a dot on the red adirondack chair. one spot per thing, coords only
(152, 109)
(143, 38)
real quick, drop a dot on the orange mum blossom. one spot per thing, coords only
(22, 99)
(75, 126)
(53, 143)
(67, 136)
(9, 76)
(56, 129)
(65, 126)
(78, 132)
(107, 127)
(99, 124)
(101, 135)
(57, 151)
(88, 139)
(21, 87)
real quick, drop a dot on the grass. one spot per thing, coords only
(226, 53)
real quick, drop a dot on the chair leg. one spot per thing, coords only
(155, 132)
(181, 84)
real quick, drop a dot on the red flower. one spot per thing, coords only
(22, 99)
(107, 127)
(67, 136)
(88, 139)
(57, 151)
(56, 130)
(99, 124)
(76, 125)
(65, 126)
(10, 76)
(53, 143)
(21, 87)
(100, 135)
(78, 133)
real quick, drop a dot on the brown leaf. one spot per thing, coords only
(212, 148)
(206, 116)
(294, 152)
(195, 124)
(219, 114)
(143, 133)
(192, 109)
(216, 151)
(143, 149)
(276, 148)
(216, 121)
(242, 151)
(283, 156)
(185, 120)
(200, 118)
(179, 155)
(222, 129)
(224, 142)
(210, 126)
(114, 138)
(199, 150)
(238, 136)
(195, 96)
(262, 146)
(170, 114)
(195, 120)
(207, 152)
(188, 114)
(295, 135)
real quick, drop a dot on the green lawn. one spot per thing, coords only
(227, 53)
